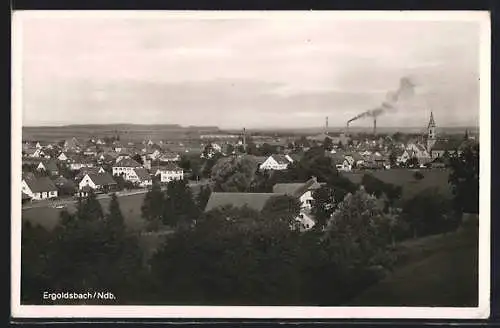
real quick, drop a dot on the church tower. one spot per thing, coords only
(431, 133)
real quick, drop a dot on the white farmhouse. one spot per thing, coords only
(276, 162)
(126, 167)
(39, 188)
(141, 177)
(169, 172)
(97, 181)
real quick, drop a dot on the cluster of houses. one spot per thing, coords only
(303, 192)
(74, 167)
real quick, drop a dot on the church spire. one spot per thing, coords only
(432, 124)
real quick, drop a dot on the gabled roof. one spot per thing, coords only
(50, 165)
(142, 174)
(296, 189)
(87, 170)
(43, 184)
(28, 176)
(255, 201)
(169, 167)
(449, 145)
(102, 179)
(280, 159)
(128, 162)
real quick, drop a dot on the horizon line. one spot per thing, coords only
(239, 128)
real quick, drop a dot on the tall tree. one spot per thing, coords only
(90, 208)
(180, 208)
(234, 174)
(428, 212)
(323, 205)
(114, 218)
(256, 262)
(283, 209)
(328, 144)
(153, 207)
(354, 230)
(464, 179)
(203, 197)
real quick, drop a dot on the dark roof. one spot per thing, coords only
(255, 201)
(60, 180)
(28, 176)
(50, 165)
(447, 145)
(42, 184)
(142, 174)
(102, 179)
(296, 189)
(87, 170)
(169, 166)
(280, 158)
(80, 159)
(128, 162)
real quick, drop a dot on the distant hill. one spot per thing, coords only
(124, 131)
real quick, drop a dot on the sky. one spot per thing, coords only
(257, 71)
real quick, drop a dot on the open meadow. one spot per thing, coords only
(433, 178)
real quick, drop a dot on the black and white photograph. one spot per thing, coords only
(212, 164)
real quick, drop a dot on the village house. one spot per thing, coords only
(125, 167)
(39, 188)
(302, 191)
(254, 201)
(76, 162)
(169, 157)
(71, 144)
(169, 172)
(102, 182)
(49, 166)
(141, 177)
(33, 153)
(62, 157)
(276, 162)
(419, 152)
(443, 146)
(88, 170)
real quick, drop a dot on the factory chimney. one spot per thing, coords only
(244, 141)
(326, 125)
(375, 126)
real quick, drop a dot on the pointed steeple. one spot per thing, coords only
(432, 124)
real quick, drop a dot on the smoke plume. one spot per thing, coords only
(406, 89)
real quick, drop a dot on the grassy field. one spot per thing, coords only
(48, 217)
(130, 206)
(436, 271)
(437, 178)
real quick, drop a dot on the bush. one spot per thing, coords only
(418, 175)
